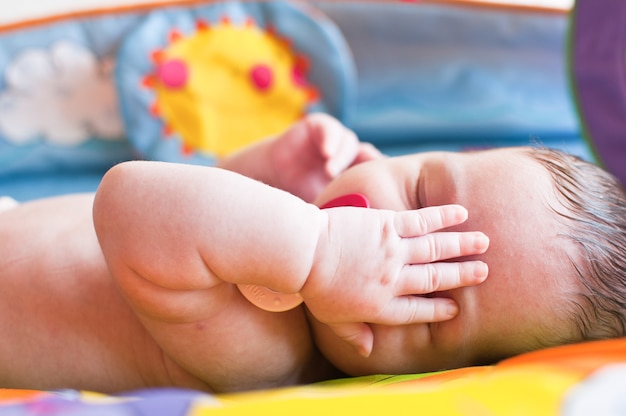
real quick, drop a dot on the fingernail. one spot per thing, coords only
(481, 270)
(481, 242)
(461, 213)
(452, 309)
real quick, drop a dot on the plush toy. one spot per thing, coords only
(198, 83)
(228, 84)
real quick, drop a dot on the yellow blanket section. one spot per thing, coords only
(573, 380)
(536, 383)
(521, 391)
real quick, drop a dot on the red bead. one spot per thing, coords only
(262, 77)
(173, 73)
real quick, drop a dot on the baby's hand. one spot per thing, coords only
(312, 152)
(370, 265)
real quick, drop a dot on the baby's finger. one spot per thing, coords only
(445, 245)
(326, 132)
(426, 220)
(343, 154)
(357, 334)
(436, 277)
(406, 310)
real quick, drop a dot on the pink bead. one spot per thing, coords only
(262, 77)
(173, 73)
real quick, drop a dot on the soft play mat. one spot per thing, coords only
(576, 380)
(200, 83)
(192, 81)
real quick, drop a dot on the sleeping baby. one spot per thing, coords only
(146, 284)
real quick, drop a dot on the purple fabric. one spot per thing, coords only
(599, 71)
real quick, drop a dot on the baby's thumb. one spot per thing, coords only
(359, 335)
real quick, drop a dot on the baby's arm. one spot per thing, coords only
(186, 227)
(173, 235)
(303, 159)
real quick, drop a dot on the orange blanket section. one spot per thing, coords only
(535, 383)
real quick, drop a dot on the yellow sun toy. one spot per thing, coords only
(228, 85)
(197, 83)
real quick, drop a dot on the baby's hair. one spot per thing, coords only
(594, 205)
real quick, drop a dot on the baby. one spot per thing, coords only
(150, 297)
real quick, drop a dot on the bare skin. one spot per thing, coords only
(68, 323)
(176, 260)
(525, 302)
(168, 312)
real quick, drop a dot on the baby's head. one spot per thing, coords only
(556, 268)
(592, 205)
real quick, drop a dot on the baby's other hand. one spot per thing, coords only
(313, 151)
(375, 266)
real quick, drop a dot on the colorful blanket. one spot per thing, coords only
(185, 81)
(105, 84)
(574, 380)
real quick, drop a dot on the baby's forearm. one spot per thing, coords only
(189, 228)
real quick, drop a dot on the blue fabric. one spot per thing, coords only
(406, 76)
(438, 76)
(52, 87)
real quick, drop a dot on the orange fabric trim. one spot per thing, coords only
(133, 8)
(583, 357)
(18, 395)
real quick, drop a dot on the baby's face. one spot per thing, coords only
(527, 296)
